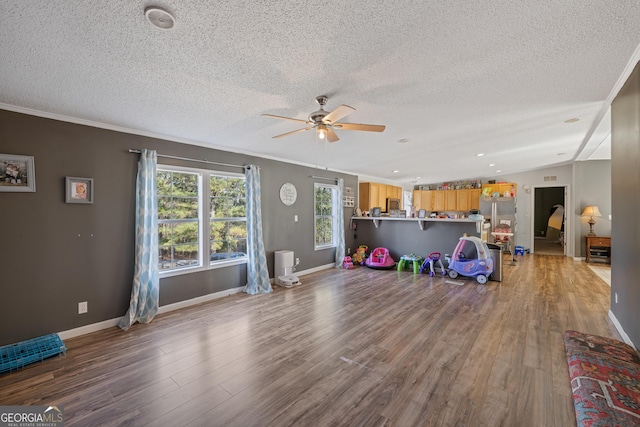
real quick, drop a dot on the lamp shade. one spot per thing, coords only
(591, 211)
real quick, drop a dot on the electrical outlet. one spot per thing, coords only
(297, 261)
(83, 307)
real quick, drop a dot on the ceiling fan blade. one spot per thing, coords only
(331, 135)
(292, 132)
(337, 114)
(359, 126)
(284, 118)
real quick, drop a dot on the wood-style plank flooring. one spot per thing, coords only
(347, 347)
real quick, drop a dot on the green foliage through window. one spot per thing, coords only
(325, 214)
(179, 213)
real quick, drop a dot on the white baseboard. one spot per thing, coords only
(621, 331)
(94, 327)
(199, 300)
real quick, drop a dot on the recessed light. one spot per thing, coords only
(395, 171)
(479, 154)
(491, 165)
(498, 171)
(418, 177)
(159, 17)
(573, 120)
(403, 141)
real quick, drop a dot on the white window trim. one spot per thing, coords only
(203, 212)
(334, 214)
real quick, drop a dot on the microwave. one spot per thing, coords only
(392, 204)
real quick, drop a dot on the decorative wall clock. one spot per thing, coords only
(288, 194)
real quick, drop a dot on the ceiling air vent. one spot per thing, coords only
(551, 178)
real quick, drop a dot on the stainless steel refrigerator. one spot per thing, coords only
(500, 211)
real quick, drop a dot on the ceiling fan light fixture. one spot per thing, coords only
(322, 131)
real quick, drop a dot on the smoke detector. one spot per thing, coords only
(159, 17)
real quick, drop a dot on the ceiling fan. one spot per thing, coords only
(325, 121)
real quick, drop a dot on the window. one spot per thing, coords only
(185, 198)
(325, 215)
(228, 218)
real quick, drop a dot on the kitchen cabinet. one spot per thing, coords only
(474, 198)
(451, 200)
(373, 194)
(510, 187)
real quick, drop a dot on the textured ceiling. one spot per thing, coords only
(455, 78)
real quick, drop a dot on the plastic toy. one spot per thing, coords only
(347, 263)
(360, 255)
(380, 259)
(430, 260)
(411, 258)
(471, 258)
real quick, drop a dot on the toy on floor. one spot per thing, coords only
(360, 255)
(430, 260)
(347, 263)
(471, 258)
(380, 259)
(415, 260)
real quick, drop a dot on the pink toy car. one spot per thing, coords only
(380, 259)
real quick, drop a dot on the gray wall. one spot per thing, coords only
(405, 237)
(55, 254)
(593, 187)
(625, 202)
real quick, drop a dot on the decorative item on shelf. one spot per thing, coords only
(591, 211)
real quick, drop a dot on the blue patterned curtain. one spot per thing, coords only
(143, 305)
(257, 271)
(340, 226)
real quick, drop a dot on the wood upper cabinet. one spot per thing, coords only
(417, 199)
(462, 198)
(451, 200)
(373, 194)
(423, 199)
(427, 200)
(510, 187)
(439, 200)
(474, 198)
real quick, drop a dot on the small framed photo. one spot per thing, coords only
(422, 213)
(17, 173)
(78, 190)
(375, 212)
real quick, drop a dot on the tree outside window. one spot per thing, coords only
(186, 196)
(325, 215)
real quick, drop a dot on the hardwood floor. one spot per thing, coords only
(348, 347)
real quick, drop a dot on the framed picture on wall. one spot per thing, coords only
(17, 173)
(78, 190)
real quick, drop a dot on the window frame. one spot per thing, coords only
(204, 221)
(334, 215)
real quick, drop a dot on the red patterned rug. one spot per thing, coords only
(605, 380)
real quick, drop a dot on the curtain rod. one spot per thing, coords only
(322, 177)
(192, 160)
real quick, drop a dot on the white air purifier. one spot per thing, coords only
(284, 267)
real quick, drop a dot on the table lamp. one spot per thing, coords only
(591, 211)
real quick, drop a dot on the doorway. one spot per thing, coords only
(549, 221)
